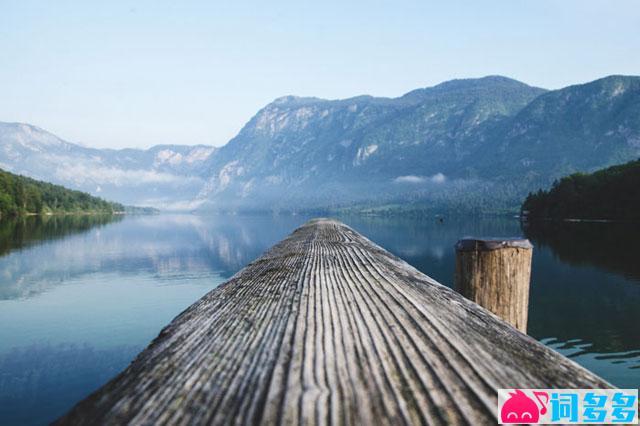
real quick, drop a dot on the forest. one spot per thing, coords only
(608, 194)
(21, 195)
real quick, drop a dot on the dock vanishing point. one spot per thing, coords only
(329, 328)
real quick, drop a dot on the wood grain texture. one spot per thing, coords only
(496, 275)
(328, 328)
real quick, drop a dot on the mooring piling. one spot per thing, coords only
(496, 273)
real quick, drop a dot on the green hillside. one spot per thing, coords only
(612, 193)
(20, 195)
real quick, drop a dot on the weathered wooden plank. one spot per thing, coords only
(328, 328)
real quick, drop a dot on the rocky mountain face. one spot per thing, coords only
(317, 153)
(479, 144)
(578, 128)
(166, 176)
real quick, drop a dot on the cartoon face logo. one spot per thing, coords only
(519, 408)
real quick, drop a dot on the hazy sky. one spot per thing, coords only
(138, 73)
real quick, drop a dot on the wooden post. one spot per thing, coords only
(495, 274)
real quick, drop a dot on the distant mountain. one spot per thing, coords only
(468, 145)
(478, 144)
(162, 176)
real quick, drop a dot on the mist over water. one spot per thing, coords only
(80, 297)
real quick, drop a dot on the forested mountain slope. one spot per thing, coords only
(20, 195)
(612, 193)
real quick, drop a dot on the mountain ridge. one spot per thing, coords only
(480, 144)
(329, 129)
(160, 176)
(62, 141)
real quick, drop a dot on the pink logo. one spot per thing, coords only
(519, 408)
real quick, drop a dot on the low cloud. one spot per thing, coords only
(438, 178)
(413, 179)
(81, 173)
(171, 205)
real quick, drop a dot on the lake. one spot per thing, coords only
(81, 296)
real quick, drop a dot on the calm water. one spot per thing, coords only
(79, 297)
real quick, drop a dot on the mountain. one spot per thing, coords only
(319, 153)
(21, 195)
(476, 144)
(162, 176)
(612, 193)
(578, 128)
(464, 145)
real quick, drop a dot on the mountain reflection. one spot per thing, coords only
(610, 246)
(585, 294)
(170, 246)
(164, 246)
(22, 232)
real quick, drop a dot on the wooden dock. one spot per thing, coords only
(328, 328)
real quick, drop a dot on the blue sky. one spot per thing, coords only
(139, 73)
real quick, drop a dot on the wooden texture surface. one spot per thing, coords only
(328, 328)
(496, 274)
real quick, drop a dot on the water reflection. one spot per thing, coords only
(586, 293)
(610, 246)
(42, 379)
(165, 246)
(22, 232)
(100, 294)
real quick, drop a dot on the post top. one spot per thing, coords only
(486, 244)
